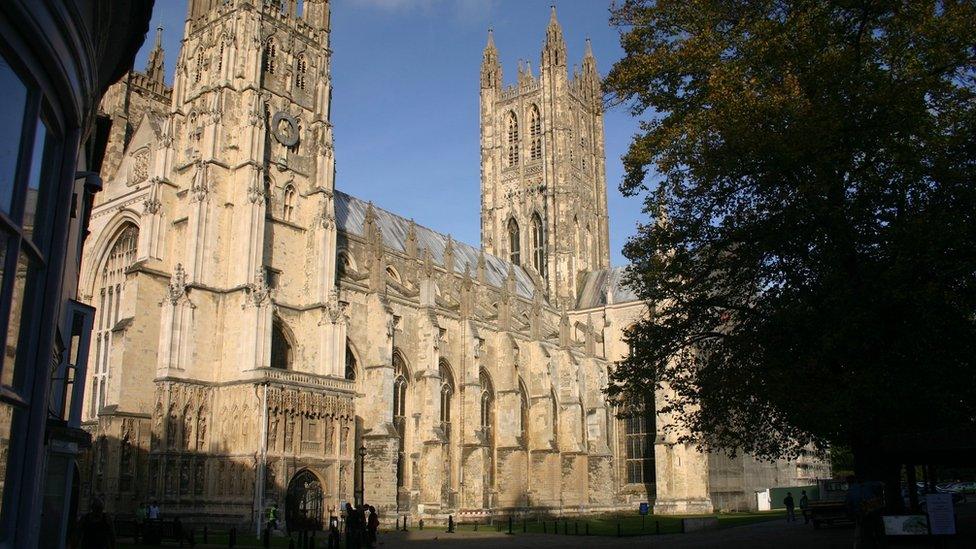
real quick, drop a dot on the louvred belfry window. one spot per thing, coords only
(535, 126)
(513, 140)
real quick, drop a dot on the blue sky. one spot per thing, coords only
(405, 99)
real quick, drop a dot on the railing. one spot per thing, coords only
(302, 378)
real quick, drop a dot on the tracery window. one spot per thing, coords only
(447, 394)
(513, 140)
(281, 351)
(535, 129)
(514, 245)
(301, 68)
(288, 203)
(108, 294)
(638, 454)
(270, 54)
(538, 245)
(400, 380)
(488, 428)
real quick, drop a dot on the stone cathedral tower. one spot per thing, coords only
(543, 178)
(227, 193)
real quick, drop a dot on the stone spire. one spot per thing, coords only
(590, 78)
(491, 68)
(154, 66)
(554, 52)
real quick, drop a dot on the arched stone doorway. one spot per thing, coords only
(304, 502)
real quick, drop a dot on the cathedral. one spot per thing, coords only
(263, 337)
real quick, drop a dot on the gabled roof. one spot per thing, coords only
(599, 285)
(351, 215)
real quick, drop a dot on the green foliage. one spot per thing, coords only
(811, 248)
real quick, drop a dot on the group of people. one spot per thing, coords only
(361, 525)
(791, 507)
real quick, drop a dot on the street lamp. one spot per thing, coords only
(361, 490)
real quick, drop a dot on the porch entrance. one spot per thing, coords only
(303, 503)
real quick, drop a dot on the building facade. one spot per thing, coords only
(264, 337)
(56, 61)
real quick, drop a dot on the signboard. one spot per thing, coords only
(644, 508)
(906, 525)
(942, 519)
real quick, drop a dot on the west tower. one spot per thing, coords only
(543, 177)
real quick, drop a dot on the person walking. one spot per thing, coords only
(805, 507)
(790, 506)
(95, 529)
(273, 517)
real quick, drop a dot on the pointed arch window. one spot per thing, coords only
(535, 133)
(288, 203)
(400, 380)
(301, 68)
(538, 245)
(555, 416)
(108, 299)
(270, 56)
(281, 350)
(488, 428)
(513, 140)
(447, 395)
(523, 425)
(350, 364)
(514, 242)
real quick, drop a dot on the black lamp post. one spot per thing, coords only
(361, 489)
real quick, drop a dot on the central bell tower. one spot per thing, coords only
(543, 167)
(250, 160)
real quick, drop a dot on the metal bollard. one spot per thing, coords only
(618, 529)
(421, 523)
(565, 527)
(450, 524)
(509, 524)
(398, 523)
(575, 528)
(204, 533)
(544, 527)
(232, 537)
(587, 528)
(657, 527)
(476, 526)
(525, 525)
(405, 522)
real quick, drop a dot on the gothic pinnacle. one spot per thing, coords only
(491, 38)
(589, 48)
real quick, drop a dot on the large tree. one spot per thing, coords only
(810, 254)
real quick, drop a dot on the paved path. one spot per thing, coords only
(769, 534)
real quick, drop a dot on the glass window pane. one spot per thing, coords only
(11, 122)
(15, 338)
(6, 421)
(39, 171)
